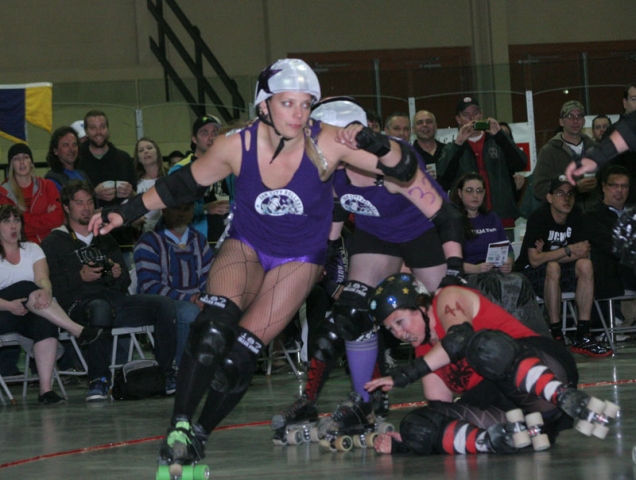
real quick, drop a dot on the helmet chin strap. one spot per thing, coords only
(427, 323)
(267, 120)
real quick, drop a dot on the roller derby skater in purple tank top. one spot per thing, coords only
(276, 248)
(392, 229)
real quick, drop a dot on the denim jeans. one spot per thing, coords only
(186, 313)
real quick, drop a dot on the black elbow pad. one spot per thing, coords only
(456, 341)
(405, 169)
(627, 129)
(179, 187)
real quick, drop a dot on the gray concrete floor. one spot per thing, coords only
(121, 439)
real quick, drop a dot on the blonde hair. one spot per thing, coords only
(316, 156)
(17, 191)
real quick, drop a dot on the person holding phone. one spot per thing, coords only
(481, 146)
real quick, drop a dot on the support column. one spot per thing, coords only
(490, 56)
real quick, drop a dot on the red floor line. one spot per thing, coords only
(396, 406)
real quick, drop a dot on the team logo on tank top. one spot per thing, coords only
(358, 204)
(279, 202)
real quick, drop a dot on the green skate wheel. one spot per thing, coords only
(187, 472)
(163, 473)
(201, 472)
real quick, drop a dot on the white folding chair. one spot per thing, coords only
(15, 339)
(613, 329)
(134, 345)
(66, 336)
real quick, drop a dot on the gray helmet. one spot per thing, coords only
(339, 111)
(287, 75)
(395, 292)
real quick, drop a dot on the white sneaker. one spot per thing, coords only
(619, 337)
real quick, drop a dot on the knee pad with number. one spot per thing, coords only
(213, 332)
(351, 312)
(235, 372)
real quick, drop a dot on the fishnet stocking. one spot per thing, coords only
(268, 300)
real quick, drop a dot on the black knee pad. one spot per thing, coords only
(235, 372)
(492, 354)
(326, 343)
(213, 332)
(422, 431)
(351, 311)
(99, 313)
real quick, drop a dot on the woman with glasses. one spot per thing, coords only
(482, 226)
(38, 199)
(26, 303)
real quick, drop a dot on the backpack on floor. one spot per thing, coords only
(139, 379)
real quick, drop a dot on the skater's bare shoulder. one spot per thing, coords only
(456, 305)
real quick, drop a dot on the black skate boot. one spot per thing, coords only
(593, 414)
(296, 424)
(353, 423)
(180, 452)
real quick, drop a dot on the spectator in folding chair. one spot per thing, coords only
(174, 261)
(26, 303)
(611, 278)
(91, 284)
(555, 257)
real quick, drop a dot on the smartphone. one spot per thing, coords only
(482, 125)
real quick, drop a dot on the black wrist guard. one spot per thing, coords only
(455, 266)
(627, 128)
(456, 341)
(603, 153)
(129, 211)
(409, 373)
(372, 142)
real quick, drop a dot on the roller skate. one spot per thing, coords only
(380, 402)
(593, 414)
(527, 430)
(353, 424)
(297, 424)
(180, 452)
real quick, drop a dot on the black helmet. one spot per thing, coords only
(395, 292)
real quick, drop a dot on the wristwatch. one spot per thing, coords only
(568, 252)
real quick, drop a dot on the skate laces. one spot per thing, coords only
(180, 434)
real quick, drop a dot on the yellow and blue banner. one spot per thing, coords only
(19, 104)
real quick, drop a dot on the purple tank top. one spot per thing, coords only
(390, 217)
(286, 222)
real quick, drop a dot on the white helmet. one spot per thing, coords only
(339, 111)
(287, 75)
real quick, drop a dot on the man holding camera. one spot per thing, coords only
(91, 283)
(482, 146)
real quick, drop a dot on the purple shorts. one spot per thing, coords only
(270, 262)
